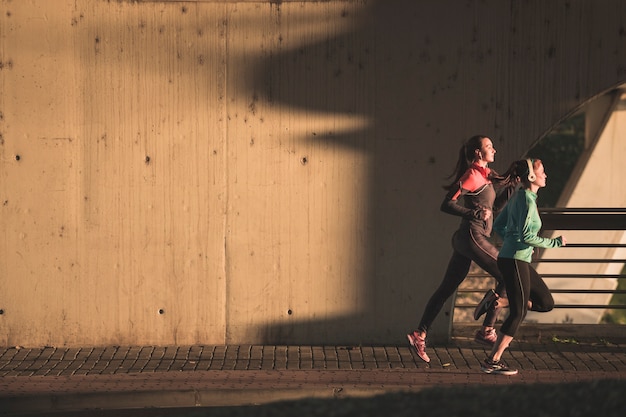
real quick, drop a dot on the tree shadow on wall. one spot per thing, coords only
(379, 71)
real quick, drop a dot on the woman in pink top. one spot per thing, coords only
(473, 197)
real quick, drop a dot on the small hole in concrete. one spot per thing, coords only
(161, 311)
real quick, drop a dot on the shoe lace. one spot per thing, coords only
(502, 365)
(495, 364)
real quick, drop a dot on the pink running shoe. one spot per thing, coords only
(419, 344)
(488, 337)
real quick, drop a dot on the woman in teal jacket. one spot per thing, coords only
(519, 224)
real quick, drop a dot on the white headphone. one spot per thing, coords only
(531, 172)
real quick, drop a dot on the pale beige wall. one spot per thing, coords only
(600, 181)
(296, 157)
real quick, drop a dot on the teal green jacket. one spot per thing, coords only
(519, 224)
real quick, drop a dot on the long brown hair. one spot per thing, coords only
(516, 173)
(467, 153)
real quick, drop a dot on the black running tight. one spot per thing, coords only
(468, 246)
(523, 283)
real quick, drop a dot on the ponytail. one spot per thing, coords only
(467, 153)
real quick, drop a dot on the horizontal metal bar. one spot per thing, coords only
(568, 291)
(617, 276)
(572, 306)
(594, 245)
(601, 276)
(583, 210)
(559, 291)
(587, 261)
(577, 306)
(579, 221)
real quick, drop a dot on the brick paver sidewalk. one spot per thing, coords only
(125, 377)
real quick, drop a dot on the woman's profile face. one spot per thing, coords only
(541, 175)
(487, 151)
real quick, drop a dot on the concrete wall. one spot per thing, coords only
(261, 172)
(599, 180)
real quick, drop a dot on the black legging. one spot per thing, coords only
(523, 283)
(468, 246)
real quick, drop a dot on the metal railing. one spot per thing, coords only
(579, 219)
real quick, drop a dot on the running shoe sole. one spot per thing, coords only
(498, 369)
